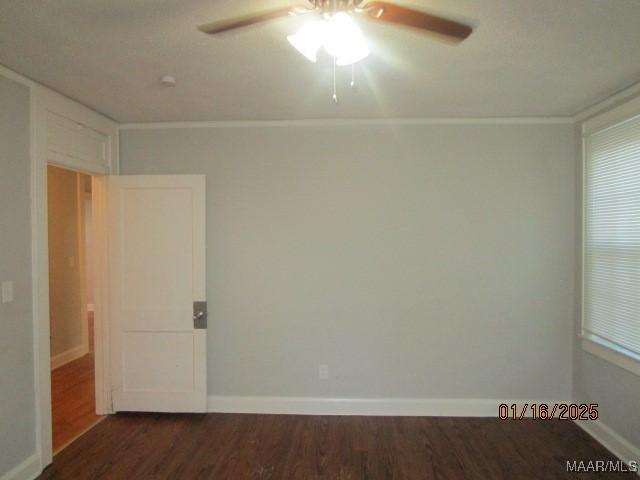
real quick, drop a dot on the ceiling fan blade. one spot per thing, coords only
(226, 25)
(395, 14)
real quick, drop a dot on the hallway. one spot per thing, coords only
(73, 398)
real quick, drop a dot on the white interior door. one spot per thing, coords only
(157, 272)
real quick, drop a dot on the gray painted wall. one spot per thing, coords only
(416, 261)
(17, 398)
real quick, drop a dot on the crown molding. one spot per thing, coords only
(608, 103)
(16, 77)
(333, 122)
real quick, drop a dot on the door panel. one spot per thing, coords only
(157, 255)
(158, 362)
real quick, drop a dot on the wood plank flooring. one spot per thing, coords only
(73, 402)
(237, 447)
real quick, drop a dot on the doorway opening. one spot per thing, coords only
(71, 291)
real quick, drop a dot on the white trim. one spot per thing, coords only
(16, 77)
(611, 352)
(26, 470)
(101, 315)
(42, 101)
(420, 407)
(82, 261)
(609, 102)
(619, 114)
(40, 278)
(330, 122)
(612, 441)
(69, 356)
(594, 344)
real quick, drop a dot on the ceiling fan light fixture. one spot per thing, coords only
(344, 40)
(309, 39)
(339, 35)
(331, 26)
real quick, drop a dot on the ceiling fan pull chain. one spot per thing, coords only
(353, 76)
(335, 90)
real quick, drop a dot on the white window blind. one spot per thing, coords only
(612, 235)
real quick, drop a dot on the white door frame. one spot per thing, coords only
(43, 102)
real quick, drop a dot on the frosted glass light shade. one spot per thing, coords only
(344, 40)
(309, 39)
(339, 35)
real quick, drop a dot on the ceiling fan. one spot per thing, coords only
(331, 26)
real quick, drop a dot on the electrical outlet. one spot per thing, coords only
(323, 372)
(7, 291)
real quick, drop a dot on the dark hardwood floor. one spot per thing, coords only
(236, 447)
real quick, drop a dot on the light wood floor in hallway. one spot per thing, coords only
(73, 399)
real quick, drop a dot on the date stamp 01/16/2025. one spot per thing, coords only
(568, 411)
(546, 411)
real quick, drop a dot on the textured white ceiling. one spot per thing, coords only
(525, 58)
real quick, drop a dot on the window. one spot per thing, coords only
(611, 266)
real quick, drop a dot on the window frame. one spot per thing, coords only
(591, 343)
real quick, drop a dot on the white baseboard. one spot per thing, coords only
(27, 470)
(69, 356)
(612, 441)
(419, 407)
